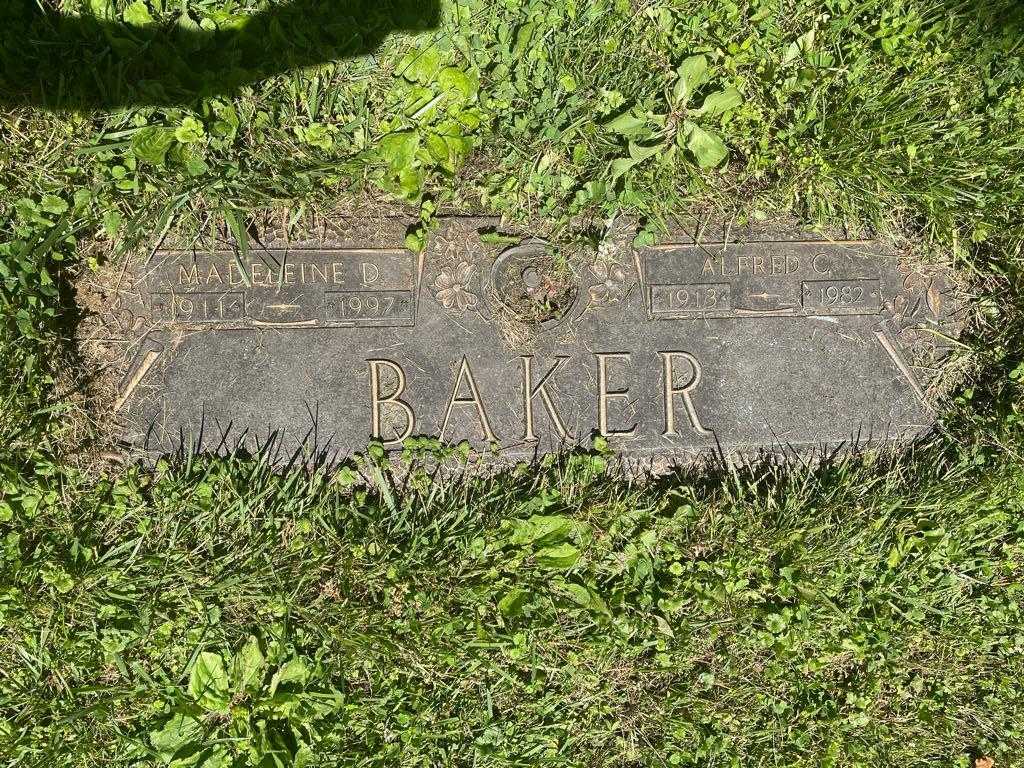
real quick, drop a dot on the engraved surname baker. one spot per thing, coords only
(388, 408)
(530, 392)
(377, 401)
(466, 374)
(604, 394)
(672, 391)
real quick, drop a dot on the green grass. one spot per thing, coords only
(214, 613)
(862, 616)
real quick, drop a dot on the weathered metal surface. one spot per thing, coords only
(671, 351)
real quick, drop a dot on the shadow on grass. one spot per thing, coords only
(61, 62)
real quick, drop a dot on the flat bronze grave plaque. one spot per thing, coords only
(672, 351)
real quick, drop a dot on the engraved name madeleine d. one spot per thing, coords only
(467, 399)
(259, 274)
(364, 268)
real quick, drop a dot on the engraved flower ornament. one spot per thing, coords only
(452, 288)
(612, 285)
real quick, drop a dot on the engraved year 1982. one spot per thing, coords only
(832, 295)
(841, 294)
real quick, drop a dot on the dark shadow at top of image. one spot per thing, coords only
(62, 62)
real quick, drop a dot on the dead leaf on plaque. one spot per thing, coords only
(934, 300)
(915, 281)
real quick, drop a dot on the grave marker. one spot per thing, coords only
(785, 344)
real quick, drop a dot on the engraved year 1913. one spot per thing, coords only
(704, 297)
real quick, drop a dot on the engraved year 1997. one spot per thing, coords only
(345, 306)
